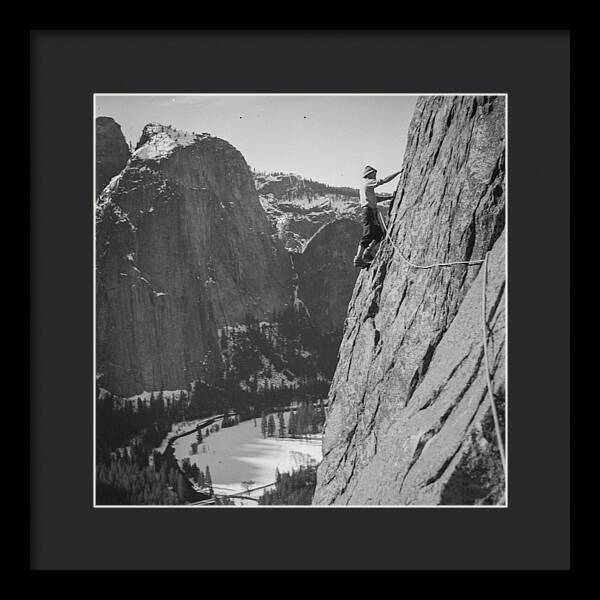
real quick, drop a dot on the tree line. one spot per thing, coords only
(202, 479)
(127, 431)
(295, 488)
(306, 419)
(128, 468)
(129, 476)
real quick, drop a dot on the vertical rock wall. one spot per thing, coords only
(409, 420)
(325, 272)
(183, 249)
(112, 152)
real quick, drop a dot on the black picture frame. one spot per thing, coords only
(66, 68)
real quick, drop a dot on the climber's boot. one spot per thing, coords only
(358, 259)
(370, 252)
(359, 263)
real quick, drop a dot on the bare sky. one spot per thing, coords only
(326, 138)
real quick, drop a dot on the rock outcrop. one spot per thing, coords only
(184, 250)
(298, 207)
(326, 276)
(112, 152)
(409, 419)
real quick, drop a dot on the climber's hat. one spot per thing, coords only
(368, 170)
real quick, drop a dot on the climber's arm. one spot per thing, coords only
(385, 197)
(388, 178)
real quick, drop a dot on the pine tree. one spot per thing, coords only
(281, 423)
(181, 486)
(263, 425)
(172, 477)
(271, 426)
(208, 479)
(292, 424)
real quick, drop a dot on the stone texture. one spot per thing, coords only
(409, 421)
(325, 273)
(112, 152)
(183, 249)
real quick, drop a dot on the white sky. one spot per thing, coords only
(326, 138)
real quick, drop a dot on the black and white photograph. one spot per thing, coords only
(300, 300)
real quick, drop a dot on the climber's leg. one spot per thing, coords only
(376, 235)
(366, 239)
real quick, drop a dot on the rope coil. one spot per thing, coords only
(483, 261)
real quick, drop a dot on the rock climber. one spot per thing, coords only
(372, 231)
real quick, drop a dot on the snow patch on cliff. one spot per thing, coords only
(297, 207)
(159, 141)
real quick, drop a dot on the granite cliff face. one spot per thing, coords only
(409, 418)
(184, 250)
(298, 207)
(325, 274)
(112, 152)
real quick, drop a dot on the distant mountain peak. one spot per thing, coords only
(159, 141)
(275, 182)
(297, 207)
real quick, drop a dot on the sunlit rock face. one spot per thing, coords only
(409, 418)
(184, 248)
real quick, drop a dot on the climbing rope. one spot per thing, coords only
(487, 364)
(483, 261)
(448, 264)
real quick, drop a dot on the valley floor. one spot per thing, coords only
(240, 454)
